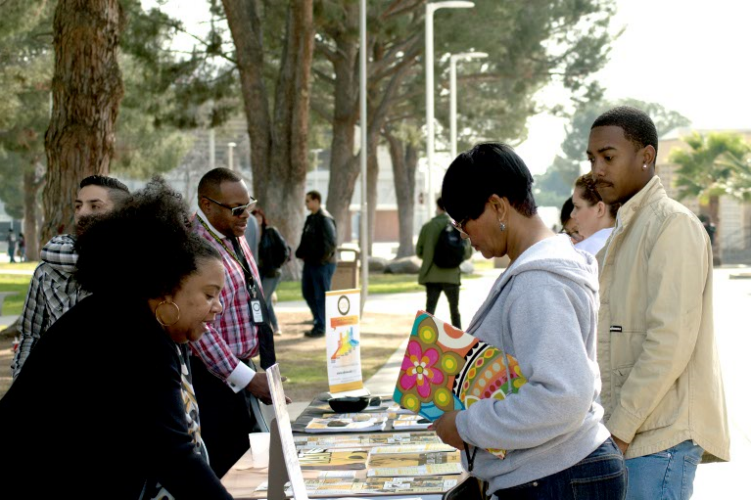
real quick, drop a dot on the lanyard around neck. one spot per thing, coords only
(233, 254)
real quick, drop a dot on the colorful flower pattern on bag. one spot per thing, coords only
(445, 369)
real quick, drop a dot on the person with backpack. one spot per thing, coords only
(273, 253)
(442, 251)
(21, 247)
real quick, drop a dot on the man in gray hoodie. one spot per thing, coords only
(53, 288)
(542, 312)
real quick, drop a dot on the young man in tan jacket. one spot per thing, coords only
(662, 386)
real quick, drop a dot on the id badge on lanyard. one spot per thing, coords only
(256, 309)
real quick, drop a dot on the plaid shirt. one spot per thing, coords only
(52, 292)
(233, 336)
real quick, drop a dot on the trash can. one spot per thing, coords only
(347, 274)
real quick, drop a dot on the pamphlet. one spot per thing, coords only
(393, 460)
(360, 441)
(347, 422)
(327, 485)
(445, 369)
(417, 470)
(333, 460)
(343, 342)
(410, 422)
(411, 448)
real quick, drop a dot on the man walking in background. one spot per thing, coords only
(442, 251)
(318, 251)
(53, 288)
(662, 387)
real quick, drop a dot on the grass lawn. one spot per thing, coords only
(301, 359)
(287, 290)
(20, 266)
(18, 283)
(377, 283)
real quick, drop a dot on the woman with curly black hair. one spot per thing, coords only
(104, 406)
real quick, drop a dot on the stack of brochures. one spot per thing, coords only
(348, 422)
(407, 461)
(359, 441)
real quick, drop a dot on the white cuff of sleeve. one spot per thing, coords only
(240, 377)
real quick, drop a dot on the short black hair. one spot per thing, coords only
(487, 169)
(119, 192)
(112, 256)
(314, 195)
(566, 209)
(637, 126)
(210, 183)
(439, 203)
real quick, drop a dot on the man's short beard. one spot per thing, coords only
(85, 222)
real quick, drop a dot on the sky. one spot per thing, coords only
(691, 56)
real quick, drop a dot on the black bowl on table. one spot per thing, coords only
(349, 404)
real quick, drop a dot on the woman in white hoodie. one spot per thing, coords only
(542, 312)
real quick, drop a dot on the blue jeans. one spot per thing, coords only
(269, 286)
(667, 475)
(600, 476)
(316, 281)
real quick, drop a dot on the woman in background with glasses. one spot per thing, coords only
(568, 225)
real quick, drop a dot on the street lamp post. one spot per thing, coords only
(364, 271)
(452, 86)
(430, 8)
(230, 146)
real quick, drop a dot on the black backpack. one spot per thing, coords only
(449, 250)
(273, 251)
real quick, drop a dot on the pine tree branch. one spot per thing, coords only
(203, 42)
(324, 76)
(401, 7)
(326, 51)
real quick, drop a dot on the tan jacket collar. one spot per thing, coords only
(652, 191)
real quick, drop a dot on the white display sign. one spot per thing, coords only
(283, 459)
(343, 342)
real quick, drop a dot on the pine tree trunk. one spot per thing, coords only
(87, 89)
(404, 161)
(382, 93)
(279, 147)
(30, 230)
(344, 167)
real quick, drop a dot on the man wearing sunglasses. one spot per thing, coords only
(224, 378)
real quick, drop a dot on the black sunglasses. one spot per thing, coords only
(459, 226)
(236, 211)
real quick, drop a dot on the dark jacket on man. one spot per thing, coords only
(318, 242)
